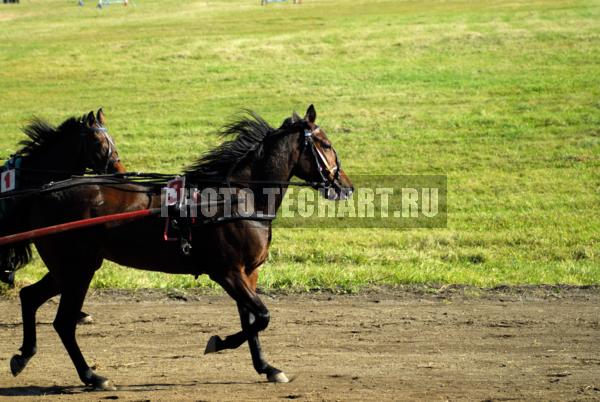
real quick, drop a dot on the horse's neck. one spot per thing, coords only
(59, 162)
(276, 166)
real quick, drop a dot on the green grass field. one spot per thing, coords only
(502, 97)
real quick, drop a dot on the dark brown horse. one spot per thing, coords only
(52, 154)
(229, 252)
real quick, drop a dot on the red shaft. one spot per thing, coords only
(63, 227)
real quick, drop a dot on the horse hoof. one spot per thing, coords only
(105, 385)
(278, 377)
(211, 346)
(84, 319)
(17, 364)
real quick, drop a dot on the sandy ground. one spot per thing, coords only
(402, 344)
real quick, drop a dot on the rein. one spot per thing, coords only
(329, 174)
(140, 178)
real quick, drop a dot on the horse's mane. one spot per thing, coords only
(43, 135)
(250, 131)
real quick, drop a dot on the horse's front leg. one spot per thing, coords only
(254, 317)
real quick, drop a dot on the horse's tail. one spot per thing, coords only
(13, 257)
(17, 255)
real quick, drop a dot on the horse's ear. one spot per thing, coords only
(100, 117)
(311, 114)
(295, 117)
(90, 120)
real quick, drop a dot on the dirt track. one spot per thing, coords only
(455, 344)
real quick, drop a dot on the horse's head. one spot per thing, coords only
(100, 151)
(318, 161)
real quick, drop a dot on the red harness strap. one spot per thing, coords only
(63, 227)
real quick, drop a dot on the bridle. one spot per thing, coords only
(111, 146)
(329, 174)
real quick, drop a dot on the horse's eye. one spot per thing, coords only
(326, 145)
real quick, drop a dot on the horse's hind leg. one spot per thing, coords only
(32, 297)
(254, 317)
(65, 324)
